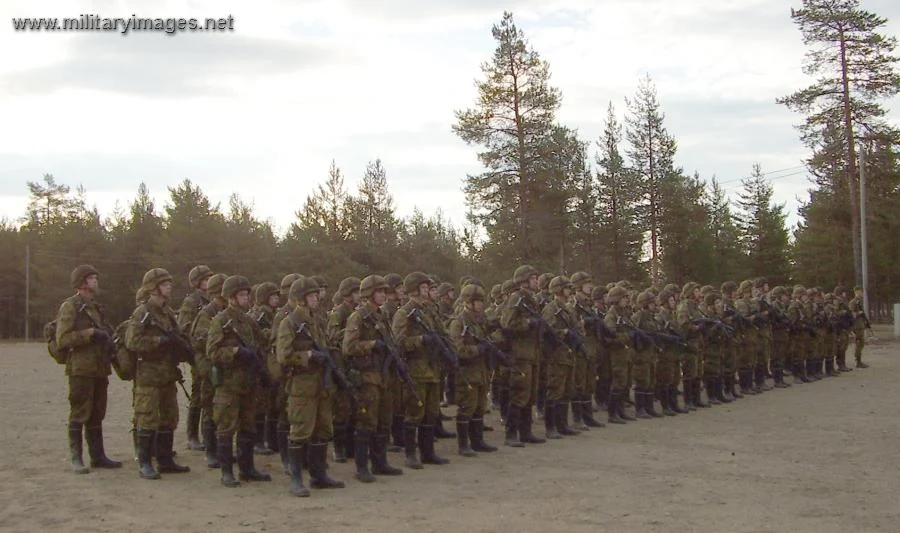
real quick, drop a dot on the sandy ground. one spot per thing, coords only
(821, 457)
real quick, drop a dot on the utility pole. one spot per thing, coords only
(27, 292)
(863, 241)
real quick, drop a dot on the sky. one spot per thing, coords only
(263, 110)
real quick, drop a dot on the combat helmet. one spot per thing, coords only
(264, 291)
(413, 281)
(580, 278)
(615, 295)
(302, 287)
(154, 277)
(644, 298)
(348, 285)
(370, 284)
(523, 273)
(286, 284)
(599, 293)
(320, 281)
(80, 273)
(214, 285)
(393, 280)
(496, 292)
(558, 284)
(544, 281)
(472, 292)
(508, 287)
(234, 285)
(198, 274)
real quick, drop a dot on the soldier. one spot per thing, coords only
(542, 298)
(301, 348)
(692, 365)
(266, 424)
(442, 308)
(644, 357)
(799, 335)
(780, 335)
(809, 341)
(396, 297)
(844, 320)
(716, 341)
(343, 411)
(203, 366)
(278, 408)
(604, 372)
(469, 335)
(568, 332)
(620, 353)
(367, 342)
(233, 345)
(668, 370)
(321, 312)
(500, 375)
(586, 369)
(520, 321)
(190, 307)
(860, 323)
(153, 335)
(83, 333)
(820, 325)
(830, 312)
(731, 359)
(748, 309)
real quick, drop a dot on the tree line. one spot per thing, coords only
(618, 206)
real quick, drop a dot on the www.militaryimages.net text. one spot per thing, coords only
(91, 22)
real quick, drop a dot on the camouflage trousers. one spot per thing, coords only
(841, 344)
(559, 382)
(156, 408)
(798, 348)
(749, 351)
(764, 352)
(584, 378)
(729, 359)
(523, 384)
(398, 395)
(619, 361)
(859, 337)
(690, 364)
(500, 384)
(310, 416)
(430, 397)
(712, 364)
(374, 409)
(205, 398)
(196, 395)
(819, 344)
(87, 400)
(471, 403)
(234, 412)
(780, 352)
(668, 369)
(343, 411)
(644, 369)
(604, 370)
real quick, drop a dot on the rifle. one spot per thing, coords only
(258, 365)
(545, 333)
(577, 340)
(494, 353)
(184, 351)
(865, 318)
(712, 325)
(263, 321)
(392, 357)
(601, 330)
(109, 347)
(451, 357)
(331, 369)
(778, 319)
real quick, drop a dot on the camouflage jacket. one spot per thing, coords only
(190, 306)
(304, 376)
(524, 343)
(227, 331)
(615, 319)
(150, 322)
(76, 317)
(424, 363)
(199, 333)
(366, 325)
(464, 328)
(562, 318)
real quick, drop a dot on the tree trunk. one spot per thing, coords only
(850, 165)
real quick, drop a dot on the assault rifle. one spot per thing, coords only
(257, 363)
(331, 372)
(865, 318)
(549, 335)
(392, 358)
(494, 353)
(712, 325)
(601, 330)
(444, 349)
(181, 346)
(109, 345)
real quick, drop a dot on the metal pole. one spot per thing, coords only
(27, 292)
(863, 241)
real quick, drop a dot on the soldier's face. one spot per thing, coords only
(312, 300)
(379, 297)
(274, 300)
(696, 294)
(204, 284)
(533, 284)
(671, 302)
(567, 293)
(354, 296)
(587, 288)
(92, 283)
(478, 306)
(424, 290)
(242, 298)
(431, 293)
(400, 292)
(165, 289)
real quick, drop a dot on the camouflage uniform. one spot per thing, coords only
(190, 307)
(845, 323)
(585, 369)
(748, 308)
(799, 336)
(234, 345)
(731, 350)
(266, 423)
(692, 367)
(389, 308)
(859, 327)
(668, 369)
(343, 410)
(781, 339)
(620, 353)
(644, 358)
(278, 404)
(561, 356)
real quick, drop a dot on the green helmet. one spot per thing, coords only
(664, 296)
(303, 286)
(496, 291)
(644, 299)
(370, 284)
(286, 283)
(508, 287)
(348, 285)
(463, 281)
(321, 281)
(154, 277)
(580, 278)
(745, 286)
(599, 293)
(728, 287)
(544, 280)
(671, 287)
(264, 291)
(710, 298)
(706, 289)
(524, 272)
(779, 291)
(214, 286)
(472, 292)
(688, 290)
(80, 273)
(198, 274)
(559, 283)
(444, 289)
(615, 295)
(413, 280)
(393, 280)
(234, 285)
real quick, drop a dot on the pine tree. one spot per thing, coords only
(761, 222)
(729, 259)
(373, 224)
(686, 244)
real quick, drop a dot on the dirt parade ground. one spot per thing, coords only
(819, 457)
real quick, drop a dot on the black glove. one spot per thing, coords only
(320, 357)
(99, 336)
(572, 338)
(590, 321)
(483, 349)
(534, 322)
(245, 355)
(402, 367)
(380, 347)
(429, 340)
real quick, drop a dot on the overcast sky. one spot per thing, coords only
(264, 109)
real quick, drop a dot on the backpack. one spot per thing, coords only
(61, 357)
(125, 361)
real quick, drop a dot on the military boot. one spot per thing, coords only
(284, 431)
(526, 420)
(696, 386)
(512, 427)
(842, 363)
(76, 448)
(361, 456)
(165, 453)
(248, 471)
(316, 458)
(719, 383)
(476, 434)
(640, 410)
(673, 401)
(711, 396)
(225, 452)
(409, 444)
(811, 370)
(193, 430)
(440, 432)
(380, 466)
(94, 436)
(209, 440)
(259, 436)
(550, 421)
(350, 444)
(860, 364)
(587, 415)
(295, 452)
(601, 394)
(820, 368)
(578, 416)
(732, 385)
(612, 408)
(620, 406)
(145, 465)
(426, 447)
(340, 434)
(462, 435)
(561, 411)
(800, 373)
(829, 368)
(649, 398)
(398, 441)
(688, 394)
(134, 443)
(541, 402)
(272, 442)
(761, 379)
(662, 394)
(746, 377)
(778, 378)
(726, 388)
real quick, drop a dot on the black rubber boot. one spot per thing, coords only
(688, 393)
(711, 395)
(340, 435)
(673, 401)
(440, 432)
(525, 422)
(860, 364)
(94, 436)
(587, 415)
(829, 368)
(225, 453)
(512, 427)
(462, 438)
(248, 471)
(284, 432)
(561, 411)
(476, 434)
(165, 456)
(622, 402)
(800, 373)
(272, 433)
(426, 447)
(397, 434)
(725, 388)
(778, 378)
(842, 363)
(350, 444)
(578, 423)
(361, 456)
(410, 438)
(76, 447)
(612, 408)
(640, 406)
(145, 465)
(747, 387)
(295, 453)
(761, 380)
(719, 384)
(811, 370)
(696, 388)
(550, 421)
(209, 440)
(541, 403)
(649, 399)
(193, 430)
(259, 436)
(317, 454)
(732, 385)
(662, 394)
(380, 466)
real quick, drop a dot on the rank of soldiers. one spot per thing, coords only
(273, 370)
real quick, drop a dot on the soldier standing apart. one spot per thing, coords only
(301, 347)
(418, 347)
(343, 410)
(844, 325)
(84, 335)
(367, 342)
(523, 332)
(860, 322)
(233, 347)
(561, 358)
(152, 335)
(198, 277)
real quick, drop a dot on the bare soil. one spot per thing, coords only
(820, 457)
